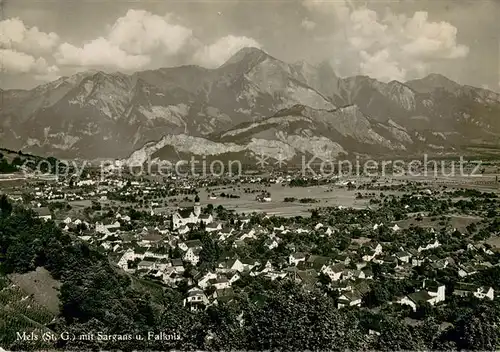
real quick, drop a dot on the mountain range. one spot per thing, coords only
(252, 104)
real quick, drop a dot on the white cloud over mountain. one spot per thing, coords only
(140, 32)
(15, 35)
(387, 47)
(129, 44)
(22, 49)
(99, 52)
(219, 52)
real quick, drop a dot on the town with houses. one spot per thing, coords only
(414, 244)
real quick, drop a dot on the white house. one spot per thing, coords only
(214, 227)
(230, 265)
(273, 275)
(484, 292)
(233, 278)
(466, 270)
(271, 243)
(419, 297)
(221, 283)
(204, 281)
(196, 299)
(481, 292)
(192, 255)
(296, 258)
(403, 256)
(192, 249)
(349, 299)
(432, 245)
(104, 229)
(435, 290)
(334, 272)
(130, 255)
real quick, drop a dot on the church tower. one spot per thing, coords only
(197, 206)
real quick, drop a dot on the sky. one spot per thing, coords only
(41, 40)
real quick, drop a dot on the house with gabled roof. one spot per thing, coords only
(271, 243)
(106, 229)
(196, 299)
(147, 263)
(220, 282)
(214, 226)
(182, 230)
(223, 295)
(420, 297)
(334, 272)
(296, 258)
(349, 299)
(190, 244)
(158, 252)
(273, 274)
(307, 278)
(430, 245)
(227, 231)
(249, 264)
(403, 256)
(317, 262)
(435, 289)
(204, 281)
(230, 265)
(466, 270)
(192, 255)
(343, 259)
(467, 289)
(131, 254)
(178, 265)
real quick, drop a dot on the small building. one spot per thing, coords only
(481, 292)
(196, 299)
(349, 299)
(43, 213)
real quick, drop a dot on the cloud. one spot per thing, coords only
(339, 8)
(129, 44)
(15, 35)
(389, 47)
(135, 41)
(51, 74)
(381, 66)
(308, 24)
(99, 52)
(15, 62)
(141, 32)
(22, 50)
(432, 39)
(219, 52)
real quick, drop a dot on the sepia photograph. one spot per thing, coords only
(249, 175)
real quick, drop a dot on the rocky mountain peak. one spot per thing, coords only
(432, 82)
(245, 59)
(252, 97)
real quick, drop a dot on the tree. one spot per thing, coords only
(5, 206)
(396, 336)
(476, 332)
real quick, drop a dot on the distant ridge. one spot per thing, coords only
(96, 114)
